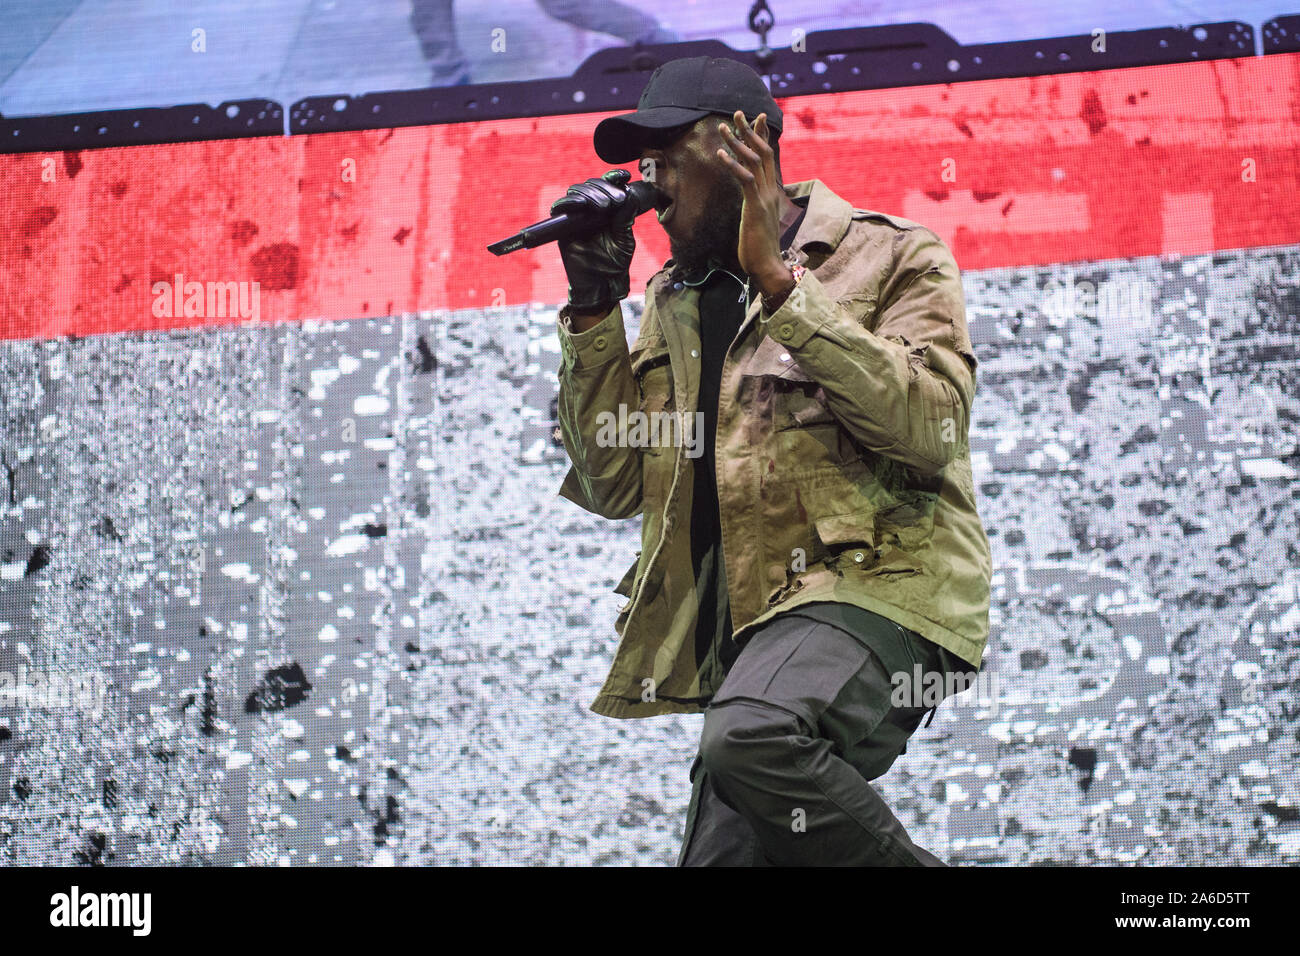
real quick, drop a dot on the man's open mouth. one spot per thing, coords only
(665, 207)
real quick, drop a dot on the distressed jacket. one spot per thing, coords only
(843, 463)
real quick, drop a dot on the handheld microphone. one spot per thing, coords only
(640, 195)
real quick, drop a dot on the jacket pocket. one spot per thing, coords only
(849, 539)
(884, 540)
(862, 306)
(657, 466)
(654, 429)
(657, 402)
(644, 357)
(797, 401)
(909, 523)
(656, 390)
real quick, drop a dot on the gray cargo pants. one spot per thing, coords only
(799, 726)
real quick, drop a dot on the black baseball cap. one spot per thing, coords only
(681, 92)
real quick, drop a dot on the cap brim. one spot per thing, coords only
(620, 139)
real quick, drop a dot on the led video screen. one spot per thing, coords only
(286, 577)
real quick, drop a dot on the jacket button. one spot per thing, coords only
(695, 353)
(859, 557)
(599, 343)
(787, 331)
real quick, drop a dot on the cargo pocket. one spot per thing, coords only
(656, 479)
(797, 401)
(796, 664)
(658, 426)
(884, 736)
(928, 655)
(656, 390)
(862, 306)
(875, 754)
(653, 373)
(849, 539)
(909, 523)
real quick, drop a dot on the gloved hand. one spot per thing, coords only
(597, 263)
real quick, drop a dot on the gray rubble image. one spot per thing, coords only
(335, 611)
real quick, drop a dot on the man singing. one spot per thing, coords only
(824, 549)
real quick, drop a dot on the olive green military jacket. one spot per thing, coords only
(843, 466)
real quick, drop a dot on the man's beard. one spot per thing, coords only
(717, 232)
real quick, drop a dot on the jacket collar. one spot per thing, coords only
(827, 220)
(824, 224)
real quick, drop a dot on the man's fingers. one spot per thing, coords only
(750, 158)
(587, 197)
(755, 138)
(763, 147)
(751, 147)
(740, 172)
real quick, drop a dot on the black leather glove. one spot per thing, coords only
(597, 263)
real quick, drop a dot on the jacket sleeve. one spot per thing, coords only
(901, 385)
(595, 378)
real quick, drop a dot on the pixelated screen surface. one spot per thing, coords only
(285, 573)
(63, 56)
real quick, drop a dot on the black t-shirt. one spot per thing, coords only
(722, 306)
